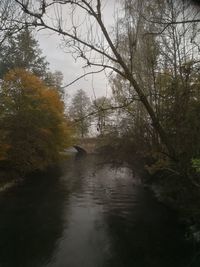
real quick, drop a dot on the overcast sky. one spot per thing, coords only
(94, 84)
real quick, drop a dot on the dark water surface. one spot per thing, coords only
(88, 215)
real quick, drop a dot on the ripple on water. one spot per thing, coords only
(94, 215)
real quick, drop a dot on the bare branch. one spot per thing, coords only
(60, 31)
(82, 76)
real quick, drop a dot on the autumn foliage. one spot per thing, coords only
(34, 129)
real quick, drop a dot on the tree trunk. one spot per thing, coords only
(155, 121)
(128, 75)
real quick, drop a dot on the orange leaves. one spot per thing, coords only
(19, 83)
(35, 125)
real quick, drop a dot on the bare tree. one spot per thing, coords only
(102, 110)
(85, 35)
(8, 14)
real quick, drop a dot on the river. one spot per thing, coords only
(89, 214)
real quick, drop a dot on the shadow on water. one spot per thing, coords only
(147, 235)
(89, 215)
(31, 221)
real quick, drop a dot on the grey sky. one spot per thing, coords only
(50, 45)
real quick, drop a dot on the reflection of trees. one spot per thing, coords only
(74, 171)
(31, 221)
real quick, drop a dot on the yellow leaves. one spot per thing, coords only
(20, 83)
(36, 125)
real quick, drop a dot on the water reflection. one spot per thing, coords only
(31, 221)
(91, 215)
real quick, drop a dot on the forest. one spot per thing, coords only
(151, 58)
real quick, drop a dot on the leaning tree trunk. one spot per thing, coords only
(96, 13)
(128, 75)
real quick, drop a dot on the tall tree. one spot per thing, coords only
(55, 80)
(79, 111)
(22, 51)
(165, 66)
(9, 14)
(33, 125)
(101, 108)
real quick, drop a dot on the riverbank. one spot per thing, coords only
(181, 195)
(8, 179)
(174, 191)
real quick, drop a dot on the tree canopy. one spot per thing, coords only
(33, 124)
(21, 50)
